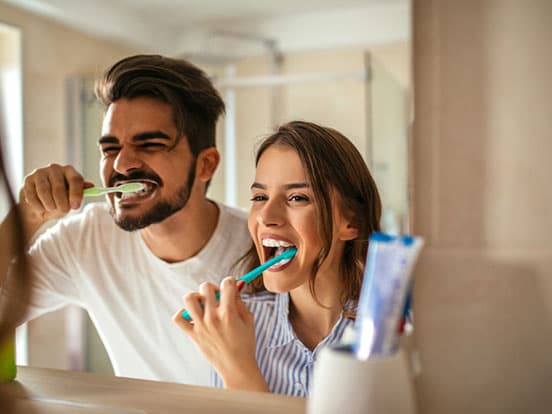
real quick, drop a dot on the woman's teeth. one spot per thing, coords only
(274, 248)
(276, 243)
(280, 263)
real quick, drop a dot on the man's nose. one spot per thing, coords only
(127, 160)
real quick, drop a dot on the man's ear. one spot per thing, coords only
(207, 163)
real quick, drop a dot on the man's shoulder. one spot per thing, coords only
(92, 218)
(233, 223)
(232, 213)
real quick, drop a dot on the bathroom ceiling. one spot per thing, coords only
(187, 26)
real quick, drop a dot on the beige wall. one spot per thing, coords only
(483, 293)
(51, 53)
(341, 104)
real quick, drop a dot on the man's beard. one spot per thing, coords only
(161, 210)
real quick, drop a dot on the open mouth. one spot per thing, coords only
(149, 188)
(272, 248)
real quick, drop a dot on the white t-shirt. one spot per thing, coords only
(129, 293)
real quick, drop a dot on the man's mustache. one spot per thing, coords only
(136, 175)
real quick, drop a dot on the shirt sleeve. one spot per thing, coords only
(51, 261)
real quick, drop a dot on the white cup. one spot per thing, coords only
(344, 384)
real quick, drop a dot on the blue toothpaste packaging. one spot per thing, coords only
(387, 280)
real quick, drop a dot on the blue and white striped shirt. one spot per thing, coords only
(286, 364)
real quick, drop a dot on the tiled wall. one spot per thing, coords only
(482, 195)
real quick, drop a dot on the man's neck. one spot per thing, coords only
(183, 234)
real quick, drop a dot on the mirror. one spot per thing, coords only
(343, 64)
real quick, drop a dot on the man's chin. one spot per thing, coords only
(129, 222)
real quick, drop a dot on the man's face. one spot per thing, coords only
(139, 142)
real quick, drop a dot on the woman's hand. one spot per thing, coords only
(225, 334)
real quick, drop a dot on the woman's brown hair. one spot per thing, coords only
(333, 165)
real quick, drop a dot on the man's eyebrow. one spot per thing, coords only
(258, 185)
(107, 139)
(291, 186)
(142, 136)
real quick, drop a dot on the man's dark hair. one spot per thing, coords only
(195, 102)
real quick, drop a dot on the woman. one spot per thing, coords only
(312, 191)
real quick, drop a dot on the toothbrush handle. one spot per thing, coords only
(250, 276)
(93, 192)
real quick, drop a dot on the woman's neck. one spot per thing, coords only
(313, 321)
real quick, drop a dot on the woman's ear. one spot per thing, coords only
(346, 228)
(347, 231)
(207, 163)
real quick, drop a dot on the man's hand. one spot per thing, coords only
(49, 193)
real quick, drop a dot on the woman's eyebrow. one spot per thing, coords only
(291, 186)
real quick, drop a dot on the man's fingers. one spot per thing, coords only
(59, 188)
(75, 182)
(53, 190)
(43, 191)
(30, 197)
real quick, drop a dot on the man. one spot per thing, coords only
(159, 130)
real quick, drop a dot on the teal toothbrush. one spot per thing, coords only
(253, 274)
(124, 188)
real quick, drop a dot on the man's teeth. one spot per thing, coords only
(132, 194)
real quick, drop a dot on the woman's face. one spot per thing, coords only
(283, 214)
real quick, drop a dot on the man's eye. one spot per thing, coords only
(257, 198)
(109, 150)
(153, 145)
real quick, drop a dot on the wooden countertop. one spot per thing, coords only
(50, 391)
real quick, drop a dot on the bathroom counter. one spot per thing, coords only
(50, 391)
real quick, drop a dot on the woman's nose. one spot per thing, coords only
(127, 159)
(271, 214)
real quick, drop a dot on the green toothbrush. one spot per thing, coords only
(124, 188)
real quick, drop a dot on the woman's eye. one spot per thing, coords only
(257, 198)
(298, 197)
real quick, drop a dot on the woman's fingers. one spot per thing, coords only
(210, 303)
(186, 325)
(193, 304)
(206, 309)
(228, 293)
